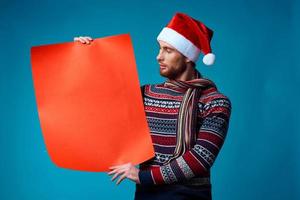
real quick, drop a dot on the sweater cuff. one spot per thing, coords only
(146, 177)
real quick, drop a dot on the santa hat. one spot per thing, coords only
(189, 37)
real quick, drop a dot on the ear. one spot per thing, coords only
(187, 60)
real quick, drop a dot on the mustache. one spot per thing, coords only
(162, 64)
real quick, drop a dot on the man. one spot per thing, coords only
(187, 116)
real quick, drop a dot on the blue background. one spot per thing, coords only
(256, 43)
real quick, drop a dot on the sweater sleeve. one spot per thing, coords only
(200, 158)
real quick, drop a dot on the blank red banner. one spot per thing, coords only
(89, 104)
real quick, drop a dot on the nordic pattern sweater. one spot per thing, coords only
(161, 107)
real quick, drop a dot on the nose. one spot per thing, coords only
(159, 56)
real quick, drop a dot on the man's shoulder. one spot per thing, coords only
(214, 96)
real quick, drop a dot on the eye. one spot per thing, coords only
(168, 50)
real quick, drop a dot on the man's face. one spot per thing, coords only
(172, 64)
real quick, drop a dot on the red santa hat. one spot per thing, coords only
(190, 37)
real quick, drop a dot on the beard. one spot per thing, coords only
(172, 72)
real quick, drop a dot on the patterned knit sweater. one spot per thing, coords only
(161, 106)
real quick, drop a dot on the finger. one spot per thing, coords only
(85, 39)
(121, 179)
(78, 39)
(112, 172)
(119, 166)
(115, 176)
(82, 41)
(118, 173)
(114, 168)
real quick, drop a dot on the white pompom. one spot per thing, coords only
(209, 59)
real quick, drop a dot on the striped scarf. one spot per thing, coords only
(187, 116)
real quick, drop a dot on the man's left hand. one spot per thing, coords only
(125, 171)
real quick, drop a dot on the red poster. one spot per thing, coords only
(90, 105)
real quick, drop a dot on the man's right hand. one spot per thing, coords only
(83, 39)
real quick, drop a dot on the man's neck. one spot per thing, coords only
(188, 75)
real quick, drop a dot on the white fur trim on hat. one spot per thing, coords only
(179, 42)
(209, 59)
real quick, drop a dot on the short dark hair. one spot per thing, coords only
(193, 64)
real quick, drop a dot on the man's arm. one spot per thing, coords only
(201, 157)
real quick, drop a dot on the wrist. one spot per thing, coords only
(137, 179)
